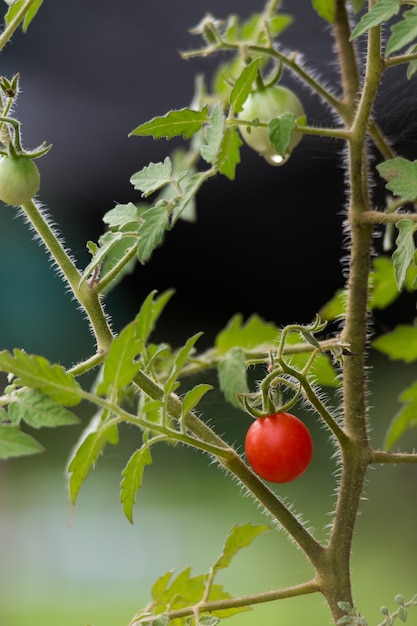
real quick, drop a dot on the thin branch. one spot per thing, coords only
(377, 217)
(382, 456)
(380, 141)
(302, 589)
(14, 24)
(399, 59)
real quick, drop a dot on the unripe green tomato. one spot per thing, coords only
(19, 179)
(265, 105)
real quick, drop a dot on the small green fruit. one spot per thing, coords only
(19, 179)
(265, 105)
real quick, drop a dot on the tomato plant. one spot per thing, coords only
(279, 447)
(136, 383)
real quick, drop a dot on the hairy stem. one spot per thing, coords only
(85, 293)
(14, 24)
(347, 57)
(336, 578)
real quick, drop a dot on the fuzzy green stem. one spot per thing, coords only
(14, 24)
(115, 271)
(85, 293)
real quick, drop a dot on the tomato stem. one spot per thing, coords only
(14, 23)
(86, 294)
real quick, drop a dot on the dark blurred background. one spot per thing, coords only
(270, 242)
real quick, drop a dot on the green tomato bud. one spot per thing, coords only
(265, 105)
(19, 179)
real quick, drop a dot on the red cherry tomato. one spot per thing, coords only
(279, 447)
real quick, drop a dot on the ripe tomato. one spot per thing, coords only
(265, 105)
(19, 179)
(279, 447)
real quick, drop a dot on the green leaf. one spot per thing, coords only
(209, 620)
(401, 175)
(399, 344)
(334, 308)
(187, 591)
(15, 443)
(383, 286)
(412, 66)
(229, 153)
(185, 122)
(232, 375)
(382, 11)
(38, 373)
(38, 410)
(107, 242)
(214, 135)
(132, 479)
(118, 252)
(253, 333)
(357, 5)
(153, 177)
(193, 397)
(122, 215)
(182, 172)
(239, 537)
(325, 8)
(151, 232)
(180, 361)
(121, 366)
(243, 86)
(280, 132)
(249, 27)
(403, 33)
(149, 313)
(30, 13)
(405, 418)
(383, 290)
(191, 184)
(278, 23)
(403, 255)
(323, 372)
(86, 455)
